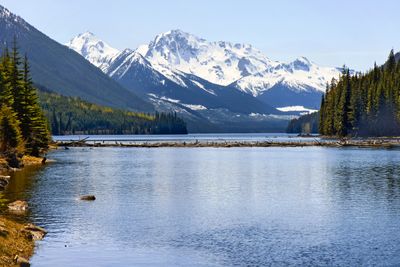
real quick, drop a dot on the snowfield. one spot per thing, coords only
(296, 108)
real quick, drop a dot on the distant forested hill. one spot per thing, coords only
(71, 115)
(305, 124)
(364, 104)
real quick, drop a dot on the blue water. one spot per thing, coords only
(308, 206)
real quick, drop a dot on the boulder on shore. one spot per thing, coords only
(88, 198)
(34, 232)
(3, 230)
(21, 261)
(4, 181)
(18, 206)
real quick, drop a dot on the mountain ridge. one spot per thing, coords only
(239, 66)
(63, 70)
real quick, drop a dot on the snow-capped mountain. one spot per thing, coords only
(157, 82)
(236, 66)
(218, 83)
(301, 75)
(226, 63)
(218, 62)
(96, 51)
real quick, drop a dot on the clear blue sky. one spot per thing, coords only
(330, 33)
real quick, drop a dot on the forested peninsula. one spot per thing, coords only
(360, 104)
(363, 104)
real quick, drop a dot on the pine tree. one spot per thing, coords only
(10, 137)
(322, 113)
(33, 123)
(391, 62)
(6, 94)
(15, 79)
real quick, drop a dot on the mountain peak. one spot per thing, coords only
(176, 39)
(175, 33)
(87, 34)
(93, 49)
(302, 59)
(218, 62)
(84, 37)
(301, 63)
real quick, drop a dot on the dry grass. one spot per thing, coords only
(30, 160)
(13, 241)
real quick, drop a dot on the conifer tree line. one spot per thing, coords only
(23, 126)
(72, 115)
(305, 124)
(363, 104)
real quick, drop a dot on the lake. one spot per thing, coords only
(215, 206)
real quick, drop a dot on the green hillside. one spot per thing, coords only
(71, 115)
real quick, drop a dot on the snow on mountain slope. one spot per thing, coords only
(222, 63)
(218, 62)
(241, 65)
(93, 49)
(300, 75)
(137, 74)
(176, 54)
(122, 63)
(297, 109)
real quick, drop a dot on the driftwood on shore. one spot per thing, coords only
(367, 143)
(79, 142)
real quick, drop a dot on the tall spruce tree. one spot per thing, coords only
(10, 136)
(34, 127)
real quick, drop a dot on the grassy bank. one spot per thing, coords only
(14, 242)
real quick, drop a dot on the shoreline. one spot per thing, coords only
(17, 241)
(361, 143)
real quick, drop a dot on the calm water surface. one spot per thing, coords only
(216, 207)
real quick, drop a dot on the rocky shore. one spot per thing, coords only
(17, 240)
